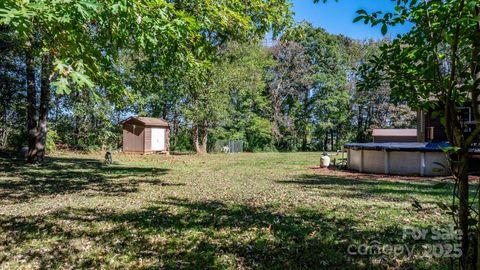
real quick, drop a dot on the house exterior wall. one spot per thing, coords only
(133, 138)
(148, 139)
(388, 139)
(474, 163)
(439, 134)
(432, 120)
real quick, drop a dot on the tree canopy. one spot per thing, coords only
(199, 64)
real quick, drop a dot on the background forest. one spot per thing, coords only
(302, 91)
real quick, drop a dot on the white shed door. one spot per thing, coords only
(158, 139)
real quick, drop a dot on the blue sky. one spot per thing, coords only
(337, 17)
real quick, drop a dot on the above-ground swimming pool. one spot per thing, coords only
(397, 158)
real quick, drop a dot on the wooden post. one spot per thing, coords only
(422, 164)
(361, 160)
(348, 158)
(386, 161)
(421, 126)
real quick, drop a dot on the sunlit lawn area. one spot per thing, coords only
(269, 210)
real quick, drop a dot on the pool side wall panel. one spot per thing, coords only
(398, 162)
(355, 158)
(373, 161)
(405, 163)
(431, 167)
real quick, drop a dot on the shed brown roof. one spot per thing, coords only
(148, 121)
(394, 132)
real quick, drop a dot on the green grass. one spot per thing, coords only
(261, 211)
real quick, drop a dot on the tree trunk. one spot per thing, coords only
(460, 170)
(475, 93)
(196, 143)
(477, 253)
(337, 139)
(305, 140)
(57, 110)
(203, 145)
(306, 116)
(332, 143)
(175, 128)
(359, 125)
(167, 141)
(31, 105)
(77, 118)
(325, 142)
(41, 137)
(276, 103)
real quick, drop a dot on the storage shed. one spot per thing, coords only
(145, 135)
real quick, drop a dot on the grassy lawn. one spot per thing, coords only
(268, 210)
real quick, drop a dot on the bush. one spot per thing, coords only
(16, 139)
(52, 138)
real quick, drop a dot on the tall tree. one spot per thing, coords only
(373, 105)
(221, 21)
(290, 88)
(435, 66)
(242, 73)
(12, 89)
(326, 101)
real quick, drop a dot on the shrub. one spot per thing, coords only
(52, 138)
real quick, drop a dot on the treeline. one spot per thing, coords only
(190, 64)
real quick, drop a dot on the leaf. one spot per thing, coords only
(357, 19)
(442, 206)
(440, 185)
(472, 222)
(450, 149)
(361, 12)
(81, 79)
(384, 29)
(62, 86)
(440, 164)
(417, 205)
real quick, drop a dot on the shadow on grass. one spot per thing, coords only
(21, 182)
(178, 233)
(182, 153)
(380, 189)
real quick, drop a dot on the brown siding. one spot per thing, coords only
(421, 128)
(474, 163)
(148, 139)
(133, 138)
(438, 129)
(133, 121)
(389, 139)
(137, 135)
